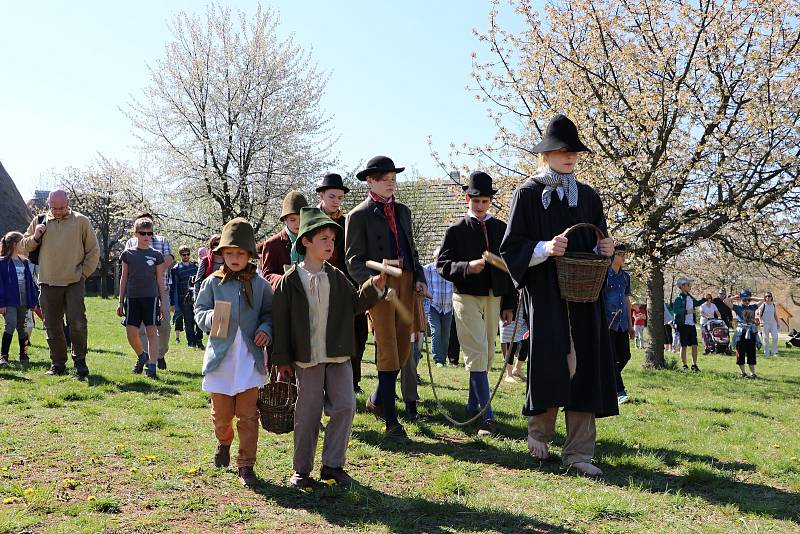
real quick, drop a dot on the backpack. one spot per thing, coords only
(33, 256)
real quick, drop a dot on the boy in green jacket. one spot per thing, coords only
(683, 309)
(313, 312)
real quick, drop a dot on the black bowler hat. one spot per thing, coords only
(378, 165)
(480, 185)
(561, 133)
(332, 181)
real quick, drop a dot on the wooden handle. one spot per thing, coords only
(495, 261)
(597, 230)
(381, 268)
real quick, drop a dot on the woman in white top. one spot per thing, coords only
(708, 311)
(767, 313)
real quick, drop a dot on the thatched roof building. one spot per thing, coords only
(14, 214)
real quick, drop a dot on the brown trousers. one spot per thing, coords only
(392, 334)
(581, 433)
(328, 387)
(56, 301)
(243, 406)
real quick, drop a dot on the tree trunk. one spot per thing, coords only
(104, 278)
(654, 354)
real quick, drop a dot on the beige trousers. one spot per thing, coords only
(329, 387)
(581, 433)
(476, 322)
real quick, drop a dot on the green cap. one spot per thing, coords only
(238, 233)
(310, 220)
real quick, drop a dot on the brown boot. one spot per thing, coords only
(336, 474)
(247, 476)
(222, 456)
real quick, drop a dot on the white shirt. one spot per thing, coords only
(236, 372)
(708, 311)
(768, 313)
(318, 290)
(689, 310)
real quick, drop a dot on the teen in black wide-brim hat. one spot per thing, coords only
(561, 133)
(480, 185)
(377, 166)
(332, 181)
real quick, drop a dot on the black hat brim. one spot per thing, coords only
(322, 188)
(477, 192)
(362, 175)
(548, 145)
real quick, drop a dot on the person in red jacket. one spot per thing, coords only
(280, 249)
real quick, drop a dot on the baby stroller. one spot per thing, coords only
(794, 339)
(716, 337)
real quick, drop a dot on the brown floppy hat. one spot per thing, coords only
(292, 203)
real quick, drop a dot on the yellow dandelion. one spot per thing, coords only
(149, 475)
(329, 481)
(307, 490)
(28, 491)
(192, 471)
(4, 468)
(777, 445)
(134, 469)
(91, 498)
(8, 500)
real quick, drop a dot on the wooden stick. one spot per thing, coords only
(381, 268)
(495, 261)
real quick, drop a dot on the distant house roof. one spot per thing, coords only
(14, 214)
(39, 201)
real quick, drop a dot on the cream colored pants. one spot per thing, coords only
(476, 323)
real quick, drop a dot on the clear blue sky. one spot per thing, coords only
(67, 66)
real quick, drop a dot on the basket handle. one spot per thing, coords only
(597, 230)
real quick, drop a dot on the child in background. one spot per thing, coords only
(746, 340)
(141, 292)
(639, 322)
(234, 365)
(314, 310)
(514, 346)
(18, 294)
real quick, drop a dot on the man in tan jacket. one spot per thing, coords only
(68, 254)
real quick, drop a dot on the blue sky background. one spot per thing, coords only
(67, 67)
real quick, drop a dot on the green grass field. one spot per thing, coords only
(120, 453)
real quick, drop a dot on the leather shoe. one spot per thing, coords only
(56, 370)
(487, 428)
(162, 363)
(397, 434)
(81, 369)
(301, 480)
(222, 456)
(247, 477)
(374, 409)
(337, 474)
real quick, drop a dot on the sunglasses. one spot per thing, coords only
(184, 253)
(145, 233)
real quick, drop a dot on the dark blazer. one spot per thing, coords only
(367, 237)
(292, 341)
(464, 242)
(276, 253)
(339, 260)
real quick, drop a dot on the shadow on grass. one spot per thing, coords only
(187, 374)
(140, 386)
(361, 506)
(728, 410)
(468, 450)
(7, 374)
(95, 380)
(708, 484)
(108, 351)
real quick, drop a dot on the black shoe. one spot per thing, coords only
(397, 434)
(162, 363)
(56, 370)
(140, 361)
(357, 389)
(487, 428)
(685, 367)
(419, 380)
(302, 480)
(81, 369)
(200, 345)
(150, 371)
(3, 360)
(695, 368)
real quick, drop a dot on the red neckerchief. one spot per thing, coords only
(388, 211)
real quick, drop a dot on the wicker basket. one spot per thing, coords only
(276, 401)
(581, 275)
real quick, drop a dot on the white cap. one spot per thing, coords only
(682, 280)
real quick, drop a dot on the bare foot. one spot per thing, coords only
(538, 449)
(587, 469)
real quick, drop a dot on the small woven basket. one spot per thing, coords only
(581, 275)
(276, 401)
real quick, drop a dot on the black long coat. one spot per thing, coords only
(593, 387)
(464, 242)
